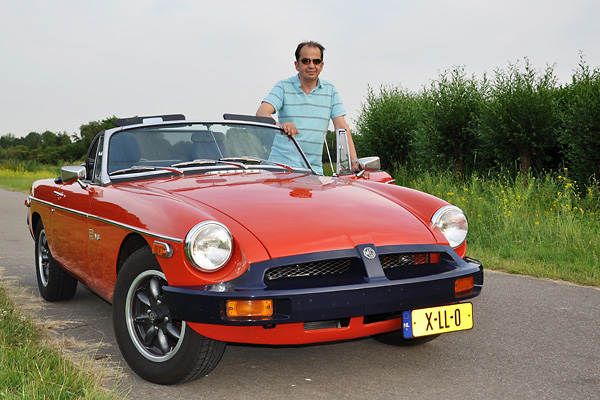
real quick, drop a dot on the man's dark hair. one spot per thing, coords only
(311, 44)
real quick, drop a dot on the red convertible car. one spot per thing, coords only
(206, 232)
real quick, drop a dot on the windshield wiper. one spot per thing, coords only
(239, 162)
(195, 163)
(201, 162)
(141, 168)
(248, 159)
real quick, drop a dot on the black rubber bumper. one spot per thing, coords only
(374, 297)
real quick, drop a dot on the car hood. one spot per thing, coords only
(299, 214)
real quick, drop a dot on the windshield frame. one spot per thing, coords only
(228, 167)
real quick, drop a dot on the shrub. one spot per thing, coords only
(386, 125)
(521, 120)
(451, 118)
(581, 118)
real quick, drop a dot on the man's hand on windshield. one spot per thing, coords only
(289, 128)
(357, 168)
(266, 110)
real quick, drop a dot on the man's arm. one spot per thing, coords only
(267, 110)
(340, 123)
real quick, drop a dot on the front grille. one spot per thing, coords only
(338, 266)
(349, 270)
(403, 259)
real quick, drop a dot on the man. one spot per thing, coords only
(305, 104)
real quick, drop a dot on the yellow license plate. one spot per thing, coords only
(435, 320)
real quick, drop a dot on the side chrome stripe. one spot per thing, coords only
(108, 221)
(56, 206)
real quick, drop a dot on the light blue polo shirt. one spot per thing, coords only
(309, 112)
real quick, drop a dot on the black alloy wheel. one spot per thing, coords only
(53, 282)
(156, 347)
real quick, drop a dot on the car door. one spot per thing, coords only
(70, 218)
(105, 236)
(69, 228)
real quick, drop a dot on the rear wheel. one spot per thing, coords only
(156, 347)
(53, 282)
(396, 338)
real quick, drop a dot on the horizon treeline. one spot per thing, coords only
(52, 148)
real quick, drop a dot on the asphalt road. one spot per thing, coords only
(533, 339)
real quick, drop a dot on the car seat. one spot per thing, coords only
(124, 152)
(208, 145)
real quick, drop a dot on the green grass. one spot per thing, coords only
(539, 227)
(30, 369)
(19, 176)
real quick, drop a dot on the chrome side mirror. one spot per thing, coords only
(70, 174)
(343, 166)
(370, 163)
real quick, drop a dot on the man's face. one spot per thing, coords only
(310, 71)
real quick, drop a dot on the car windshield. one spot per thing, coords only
(202, 145)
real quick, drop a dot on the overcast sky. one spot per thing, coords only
(64, 63)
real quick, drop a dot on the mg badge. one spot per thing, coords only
(369, 252)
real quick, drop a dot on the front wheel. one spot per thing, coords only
(53, 282)
(156, 347)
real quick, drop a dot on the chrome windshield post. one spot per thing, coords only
(343, 153)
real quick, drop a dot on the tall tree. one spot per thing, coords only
(523, 117)
(452, 111)
(91, 129)
(386, 124)
(582, 123)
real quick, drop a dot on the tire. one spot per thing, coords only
(396, 338)
(53, 282)
(158, 349)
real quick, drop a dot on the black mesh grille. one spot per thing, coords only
(403, 259)
(318, 268)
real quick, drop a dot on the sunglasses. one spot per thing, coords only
(306, 61)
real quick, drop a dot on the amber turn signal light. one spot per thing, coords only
(463, 286)
(249, 308)
(162, 249)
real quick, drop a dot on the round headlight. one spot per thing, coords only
(453, 224)
(209, 245)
